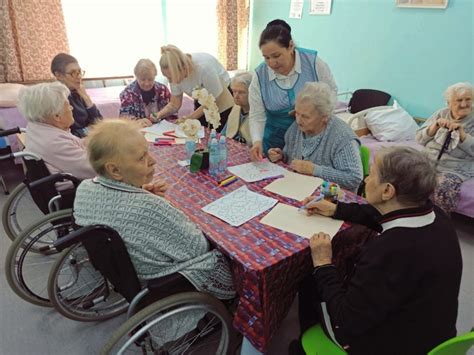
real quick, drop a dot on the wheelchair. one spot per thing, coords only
(178, 324)
(28, 203)
(31, 255)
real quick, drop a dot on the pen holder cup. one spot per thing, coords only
(199, 161)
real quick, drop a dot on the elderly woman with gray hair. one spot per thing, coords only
(403, 279)
(448, 137)
(319, 143)
(237, 126)
(49, 115)
(125, 196)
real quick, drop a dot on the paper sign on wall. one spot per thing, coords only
(320, 7)
(296, 8)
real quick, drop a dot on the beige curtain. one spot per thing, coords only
(233, 28)
(32, 32)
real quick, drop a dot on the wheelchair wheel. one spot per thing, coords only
(79, 292)
(19, 211)
(31, 256)
(184, 323)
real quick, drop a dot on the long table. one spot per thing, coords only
(267, 263)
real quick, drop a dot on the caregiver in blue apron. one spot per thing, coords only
(276, 83)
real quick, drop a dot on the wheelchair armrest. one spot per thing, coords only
(78, 236)
(59, 177)
(9, 132)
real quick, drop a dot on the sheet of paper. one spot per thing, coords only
(160, 128)
(239, 206)
(296, 8)
(294, 185)
(290, 219)
(320, 7)
(251, 172)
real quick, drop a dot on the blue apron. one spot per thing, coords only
(279, 102)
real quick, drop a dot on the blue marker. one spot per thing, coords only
(316, 199)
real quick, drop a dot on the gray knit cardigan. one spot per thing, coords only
(160, 238)
(335, 152)
(460, 160)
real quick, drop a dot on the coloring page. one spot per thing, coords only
(239, 206)
(251, 172)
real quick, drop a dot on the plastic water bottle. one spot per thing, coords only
(222, 155)
(214, 157)
(211, 136)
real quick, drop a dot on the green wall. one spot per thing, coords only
(413, 54)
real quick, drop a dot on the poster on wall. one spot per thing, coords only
(320, 7)
(432, 4)
(296, 8)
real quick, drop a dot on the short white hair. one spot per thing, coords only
(320, 95)
(244, 78)
(458, 89)
(41, 101)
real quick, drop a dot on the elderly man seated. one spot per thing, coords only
(402, 294)
(49, 115)
(160, 239)
(319, 143)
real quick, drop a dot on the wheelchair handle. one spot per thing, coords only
(58, 177)
(78, 236)
(22, 154)
(9, 132)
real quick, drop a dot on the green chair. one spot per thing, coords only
(365, 158)
(455, 346)
(315, 342)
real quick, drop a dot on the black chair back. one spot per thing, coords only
(108, 254)
(35, 170)
(363, 99)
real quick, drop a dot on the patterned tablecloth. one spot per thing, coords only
(267, 263)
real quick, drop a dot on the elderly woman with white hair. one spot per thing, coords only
(144, 97)
(448, 137)
(49, 115)
(237, 126)
(319, 143)
(402, 294)
(125, 196)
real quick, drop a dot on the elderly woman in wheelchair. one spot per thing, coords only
(49, 148)
(125, 211)
(39, 209)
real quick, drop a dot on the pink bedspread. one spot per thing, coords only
(466, 201)
(106, 99)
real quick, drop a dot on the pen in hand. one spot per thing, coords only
(316, 199)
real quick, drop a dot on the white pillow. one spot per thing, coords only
(9, 94)
(391, 125)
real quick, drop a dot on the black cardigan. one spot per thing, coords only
(403, 295)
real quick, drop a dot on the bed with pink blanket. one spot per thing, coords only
(106, 99)
(466, 201)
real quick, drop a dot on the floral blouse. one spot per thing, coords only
(132, 104)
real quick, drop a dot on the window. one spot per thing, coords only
(108, 37)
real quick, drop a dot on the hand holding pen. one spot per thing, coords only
(318, 205)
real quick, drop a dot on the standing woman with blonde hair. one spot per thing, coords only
(185, 72)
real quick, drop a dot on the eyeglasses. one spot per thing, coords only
(76, 73)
